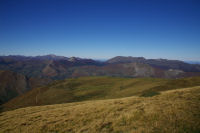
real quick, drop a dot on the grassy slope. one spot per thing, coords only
(174, 111)
(13, 84)
(93, 88)
(172, 84)
(85, 88)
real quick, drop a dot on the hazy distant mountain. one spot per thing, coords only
(193, 62)
(60, 67)
(123, 59)
(50, 66)
(158, 63)
(51, 57)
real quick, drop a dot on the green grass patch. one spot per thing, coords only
(149, 93)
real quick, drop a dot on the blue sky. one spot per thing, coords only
(101, 29)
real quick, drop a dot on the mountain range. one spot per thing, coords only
(60, 67)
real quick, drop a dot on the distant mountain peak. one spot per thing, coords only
(125, 59)
(73, 59)
(51, 57)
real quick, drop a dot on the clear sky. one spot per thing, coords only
(101, 28)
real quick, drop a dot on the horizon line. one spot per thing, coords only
(103, 59)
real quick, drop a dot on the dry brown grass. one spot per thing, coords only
(176, 111)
